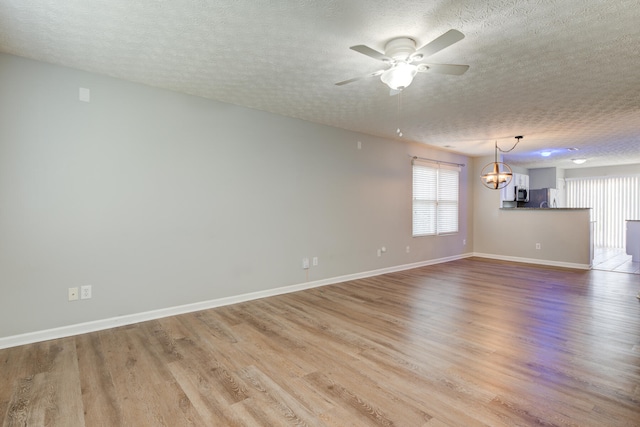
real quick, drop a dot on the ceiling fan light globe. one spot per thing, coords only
(399, 76)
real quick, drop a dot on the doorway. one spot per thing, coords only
(614, 259)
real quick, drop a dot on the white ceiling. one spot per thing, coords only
(563, 73)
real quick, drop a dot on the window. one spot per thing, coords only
(613, 200)
(435, 198)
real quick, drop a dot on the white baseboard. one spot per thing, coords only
(534, 261)
(98, 325)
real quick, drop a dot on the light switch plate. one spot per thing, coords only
(84, 94)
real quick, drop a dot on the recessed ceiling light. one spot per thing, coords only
(573, 149)
(545, 153)
(578, 161)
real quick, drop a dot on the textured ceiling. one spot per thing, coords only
(562, 73)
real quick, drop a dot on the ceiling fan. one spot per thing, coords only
(402, 57)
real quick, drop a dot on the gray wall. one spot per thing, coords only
(543, 178)
(159, 199)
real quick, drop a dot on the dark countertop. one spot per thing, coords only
(544, 209)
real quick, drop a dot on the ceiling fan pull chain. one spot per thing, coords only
(398, 131)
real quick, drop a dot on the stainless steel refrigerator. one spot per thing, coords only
(544, 198)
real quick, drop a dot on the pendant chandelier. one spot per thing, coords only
(498, 175)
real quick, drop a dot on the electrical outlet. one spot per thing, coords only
(379, 252)
(305, 263)
(85, 292)
(408, 249)
(314, 261)
(537, 245)
(73, 294)
(464, 242)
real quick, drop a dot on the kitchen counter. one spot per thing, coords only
(633, 239)
(557, 236)
(544, 209)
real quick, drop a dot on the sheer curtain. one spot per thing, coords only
(613, 200)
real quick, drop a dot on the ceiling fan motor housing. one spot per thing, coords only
(400, 48)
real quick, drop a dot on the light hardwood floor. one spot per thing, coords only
(472, 342)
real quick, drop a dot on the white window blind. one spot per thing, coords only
(612, 200)
(435, 198)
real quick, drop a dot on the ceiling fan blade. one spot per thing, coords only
(445, 40)
(366, 50)
(375, 73)
(453, 69)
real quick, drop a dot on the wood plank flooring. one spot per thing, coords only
(472, 342)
